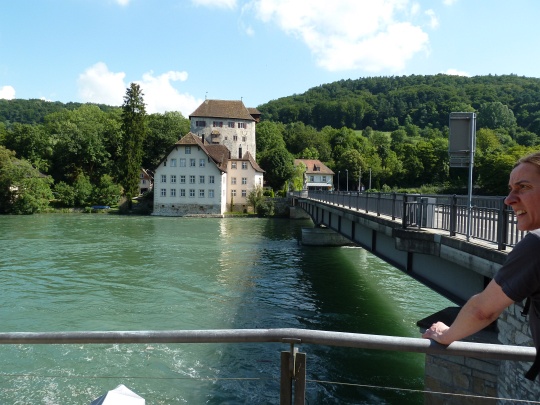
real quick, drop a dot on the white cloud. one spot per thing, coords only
(99, 85)
(161, 96)
(455, 72)
(231, 4)
(373, 35)
(7, 92)
(433, 20)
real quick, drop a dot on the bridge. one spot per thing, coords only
(446, 243)
(439, 240)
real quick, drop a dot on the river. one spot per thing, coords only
(76, 272)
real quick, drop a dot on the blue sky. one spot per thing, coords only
(181, 51)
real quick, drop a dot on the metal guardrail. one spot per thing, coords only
(491, 220)
(293, 363)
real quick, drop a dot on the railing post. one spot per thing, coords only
(293, 368)
(502, 226)
(393, 206)
(379, 204)
(404, 218)
(453, 215)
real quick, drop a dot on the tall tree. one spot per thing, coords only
(134, 129)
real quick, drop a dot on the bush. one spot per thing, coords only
(265, 208)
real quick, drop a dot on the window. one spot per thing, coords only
(233, 193)
(164, 178)
(211, 179)
(163, 192)
(192, 162)
(173, 178)
(233, 180)
(182, 192)
(183, 162)
(218, 124)
(324, 179)
(200, 123)
(183, 179)
(244, 139)
(202, 162)
(244, 180)
(231, 124)
(312, 178)
(173, 162)
(235, 138)
(242, 125)
(210, 193)
(188, 150)
(233, 165)
(244, 193)
(173, 192)
(201, 193)
(201, 179)
(192, 179)
(192, 192)
(244, 165)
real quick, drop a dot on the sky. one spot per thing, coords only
(183, 51)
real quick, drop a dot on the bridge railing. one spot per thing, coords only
(490, 219)
(293, 364)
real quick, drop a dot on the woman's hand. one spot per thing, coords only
(436, 332)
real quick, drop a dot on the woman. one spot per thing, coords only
(518, 278)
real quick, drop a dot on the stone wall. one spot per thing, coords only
(182, 210)
(514, 330)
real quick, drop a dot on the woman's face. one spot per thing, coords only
(524, 195)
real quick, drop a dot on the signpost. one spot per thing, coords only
(461, 148)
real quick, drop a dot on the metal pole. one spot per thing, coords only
(370, 178)
(360, 180)
(347, 170)
(339, 171)
(472, 146)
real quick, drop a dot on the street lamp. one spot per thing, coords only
(370, 178)
(347, 170)
(339, 171)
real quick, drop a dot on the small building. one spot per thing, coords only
(317, 175)
(146, 181)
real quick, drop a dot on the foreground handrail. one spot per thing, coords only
(282, 335)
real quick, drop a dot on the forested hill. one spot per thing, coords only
(384, 103)
(34, 111)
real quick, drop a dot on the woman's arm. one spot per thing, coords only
(481, 310)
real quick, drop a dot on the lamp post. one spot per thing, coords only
(370, 178)
(347, 170)
(339, 171)
(359, 180)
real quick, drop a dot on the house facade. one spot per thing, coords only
(317, 175)
(228, 123)
(201, 174)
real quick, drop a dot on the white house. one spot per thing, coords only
(317, 175)
(201, 175)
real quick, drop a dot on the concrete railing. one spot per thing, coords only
(293, 364)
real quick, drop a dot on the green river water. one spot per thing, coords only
(76, 272)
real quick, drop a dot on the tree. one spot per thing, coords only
(255, 198)
(495, 115)
(269, 136)
(134, 129)
(279, 166)
(23, 189)
(163, 132)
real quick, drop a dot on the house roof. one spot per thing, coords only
(218, 153)
(247, 156)
(314, 166)
(233, 109)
